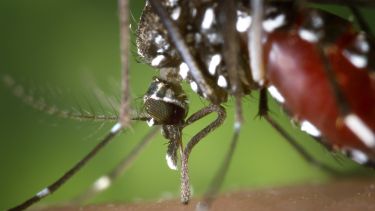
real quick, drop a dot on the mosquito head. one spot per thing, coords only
(165, 103)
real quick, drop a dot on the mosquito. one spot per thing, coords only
(216, 66)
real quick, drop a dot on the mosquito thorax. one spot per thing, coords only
(200, 24)
(165, 103)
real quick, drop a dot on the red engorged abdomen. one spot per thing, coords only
(295, 68)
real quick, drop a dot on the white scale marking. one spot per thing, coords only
(269, 25)
(243, 21)
(358, 156)
(309, 128)
(317, 21)
(359, 61)
(276, 94)
(159, 39)
(208, 18)
(157, 60)
(362, 43)
(170, 162)
(43, 193)
(173, 2)
(150, 122)
(116, 127)
(176, 13)
(140, 53)
(308, 35)
(214, 62)
(222, 82)
(360, 129)
(184, 69)
(194, 86)
(168, 99)
(194, 12)
(102, 183)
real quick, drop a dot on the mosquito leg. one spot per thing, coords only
(56, 185)
(105, 181)
(219, 177)
(228, 21)
(263, 112)
(185, 185)
(42, 106)
(361, 21)
(124, 46)
(364, 38)
(255, 43)
(231, 56)
(124, 116)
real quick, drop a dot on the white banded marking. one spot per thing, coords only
(276, 94)
(317, 21)
(208, 18)
(116, 127)
(222, 82)
(214, 62)
(176, 13)
(270, 24)
(358, 156)
(157, 60)
(357, 60)
(308, 35)
(184, 70)
(309, 128)
(102, 183)
(43, 193)
(243, 21)
(159, 40)
(172, 2)
(362, 43)
(360, 129)
(194, 86)
(170, 162)
(150, 122)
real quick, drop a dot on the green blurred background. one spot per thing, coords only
(63, 51)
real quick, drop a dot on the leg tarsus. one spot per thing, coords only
(219, 177)
(308, 158)
(263, 112)
(185, 184)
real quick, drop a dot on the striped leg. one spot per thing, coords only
(64, 178)
(116, 129)
(263, 112)
(105, 181)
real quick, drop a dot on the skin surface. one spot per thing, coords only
(354, 194)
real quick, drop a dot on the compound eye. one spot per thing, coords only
(163, 112)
